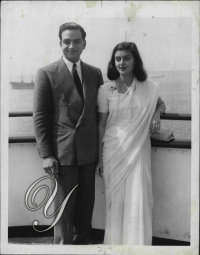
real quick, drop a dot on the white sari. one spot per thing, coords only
(127, 162)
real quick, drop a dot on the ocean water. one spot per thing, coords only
(175, 90)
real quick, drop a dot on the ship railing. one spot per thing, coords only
(176, 143)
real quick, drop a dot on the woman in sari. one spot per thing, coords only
(129, 108)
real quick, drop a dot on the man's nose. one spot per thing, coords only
(71, 45)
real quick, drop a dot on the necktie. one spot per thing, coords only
(77, 80)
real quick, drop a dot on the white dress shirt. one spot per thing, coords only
(70, 66)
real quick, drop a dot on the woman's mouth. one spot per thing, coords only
(122, 68)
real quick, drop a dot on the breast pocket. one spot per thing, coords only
(61, 100)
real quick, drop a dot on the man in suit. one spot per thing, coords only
(65, 124)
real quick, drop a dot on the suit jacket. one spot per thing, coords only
(65, 127)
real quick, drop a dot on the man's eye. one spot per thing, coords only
(75, 42)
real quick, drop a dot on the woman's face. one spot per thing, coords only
(124, 62)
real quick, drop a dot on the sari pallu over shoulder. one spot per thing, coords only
(125, 136)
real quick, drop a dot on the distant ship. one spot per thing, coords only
(158, 76)
(22, 85)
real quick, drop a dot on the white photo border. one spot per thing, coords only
(107, 9)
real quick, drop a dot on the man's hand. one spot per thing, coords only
(99, 168)
(50, 165)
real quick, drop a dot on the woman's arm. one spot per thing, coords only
(155, 122)
(101, 129)
(160, 107)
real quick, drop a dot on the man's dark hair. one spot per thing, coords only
(138, 69)
(71, 26)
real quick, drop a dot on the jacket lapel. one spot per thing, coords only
(66, 84)
(89, 90)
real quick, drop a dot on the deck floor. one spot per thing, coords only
(39, 240)
(31, 240)
(50, 241)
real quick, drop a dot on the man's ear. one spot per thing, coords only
(60, 43)
(84, 43)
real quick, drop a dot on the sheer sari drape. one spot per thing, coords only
(126, 163)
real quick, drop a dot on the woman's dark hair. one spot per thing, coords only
(138, 69)
(71, 26)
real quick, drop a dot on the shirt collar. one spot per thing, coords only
(70, 64)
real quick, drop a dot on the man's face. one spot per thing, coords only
(72, 45)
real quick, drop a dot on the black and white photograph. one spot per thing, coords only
(100, 127)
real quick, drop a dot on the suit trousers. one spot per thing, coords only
(79, 208)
